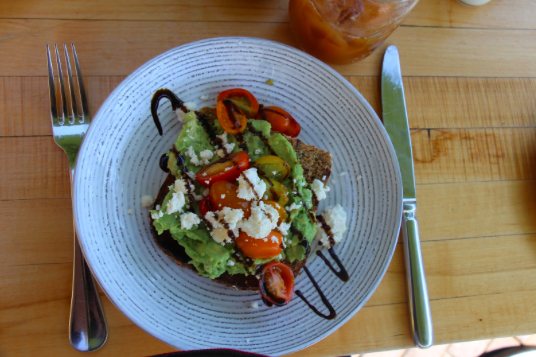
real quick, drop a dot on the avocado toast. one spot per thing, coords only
(196, 246)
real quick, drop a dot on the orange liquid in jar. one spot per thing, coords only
(345, 31)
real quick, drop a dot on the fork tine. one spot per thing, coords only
(52, 91)
(81, 88)
(74, 107)
(62, 87)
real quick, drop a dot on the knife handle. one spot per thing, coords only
(419, 304)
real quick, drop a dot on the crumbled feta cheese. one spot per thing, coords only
(274, 172)
(203, 97)
(324, 178)
(250, 186)
(226, 215)
(343, 173)
(223, 196)
(197, 197)
(228, 168)
(257, 152)
(220, 153)
(147, 201)
(335, 217)
(293, 206)
(130, 211)
(191, 174)
(261, 222)
(193, 156)
(180, 115)
(283, 228)
(283, 243)
(230, 263)
(191, 106)
(157, 214)
(188, 220)
(180, 186)
(229, 147)
(320, 189)
(220, 235)
(206, 155)
(265, 197)
(207, 182)
(176, 203)
(223, 137)
(206, 192)
(253, 304)
(158, 207)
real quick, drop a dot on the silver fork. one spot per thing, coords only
(87, 326)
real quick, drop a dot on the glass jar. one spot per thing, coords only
(345, 31)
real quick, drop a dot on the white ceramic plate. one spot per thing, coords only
(118, 164)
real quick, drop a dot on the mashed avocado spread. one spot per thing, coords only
(211, 258)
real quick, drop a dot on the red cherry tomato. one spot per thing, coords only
(293, 128)
(277, 283)
(259, 248)
(224, 194)
(226, 169)
(243, 99)
(205, 206)
(278, 118)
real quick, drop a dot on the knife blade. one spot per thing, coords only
(395, 120)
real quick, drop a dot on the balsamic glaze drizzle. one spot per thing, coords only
(332, 312)
(175, 104)
(163, 163)
(342, 273)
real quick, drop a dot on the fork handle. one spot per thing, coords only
(87, 326)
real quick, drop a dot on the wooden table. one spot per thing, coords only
(470, 80)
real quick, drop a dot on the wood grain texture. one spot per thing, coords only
(444, 13)
(119, 47)
(432, 102)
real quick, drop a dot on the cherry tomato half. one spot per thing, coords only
(293, 129)
(277, 117)
(224, 194)
(243, 99)
(265, 248)
(205, 206)
(276, 191)
(230, 116)
(277, 283)
(273, 167)
(227, 169)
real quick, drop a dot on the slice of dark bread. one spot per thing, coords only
(316, 164)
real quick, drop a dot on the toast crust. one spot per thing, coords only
(316, 164)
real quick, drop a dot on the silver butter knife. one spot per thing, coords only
(395, 119)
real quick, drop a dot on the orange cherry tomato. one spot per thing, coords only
(230, 116)
(205, 206)
(224, 194)
(243, 99)
(226, 169)
(277, 283)
(277, 117)
(265, 248)
(280, 209)
(293, 129)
